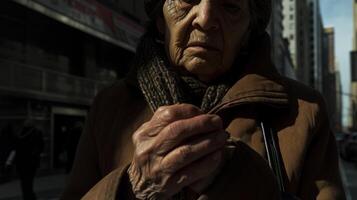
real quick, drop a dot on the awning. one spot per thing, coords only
(91, 17)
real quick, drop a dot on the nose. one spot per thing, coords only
(206, 16)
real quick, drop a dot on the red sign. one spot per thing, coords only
(98, 17)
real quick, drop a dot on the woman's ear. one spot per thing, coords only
(160, 25)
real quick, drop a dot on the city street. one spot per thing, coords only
(349, 176)
(50, 187)
(46, 188)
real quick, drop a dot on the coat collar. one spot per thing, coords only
(259, 84)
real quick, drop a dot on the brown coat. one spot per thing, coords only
(296, 112)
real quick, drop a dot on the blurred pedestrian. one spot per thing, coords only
(29, 146)
(7, 152)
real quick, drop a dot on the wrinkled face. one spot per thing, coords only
(202, 37)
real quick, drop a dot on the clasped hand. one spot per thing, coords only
(179, 147)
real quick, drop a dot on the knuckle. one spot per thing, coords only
(167, 169)
(136, 137)
(216, 119)
(141, 133)
(212, 120)
(161, 109)
(184, 152)
(143, 126)
(168, 115)
(163, 171)
(142, 158)
(164, 147)
(139, 155)
(173, 130)
(156, 170)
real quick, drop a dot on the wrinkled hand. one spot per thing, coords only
(179, 147)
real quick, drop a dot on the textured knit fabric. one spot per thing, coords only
(162, 85)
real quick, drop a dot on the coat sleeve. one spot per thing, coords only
(114, 186)
(85, 171)
(320, 178)
(251, 180)
(86, 180)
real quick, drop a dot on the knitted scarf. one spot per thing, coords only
(163, 85)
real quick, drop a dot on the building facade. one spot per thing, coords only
(55, 56)
(353, 97)
(303, 28)
(313, 52)
(296, 31)
(353, 55)
(280, 52)
(332, 88)
(354, 25)
(315, 40)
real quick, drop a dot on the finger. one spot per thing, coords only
(169, 114)
(193, 151)
(198, 170)
(144, 133)
(177, 132)
(162, 117)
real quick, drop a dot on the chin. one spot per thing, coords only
(203, 70)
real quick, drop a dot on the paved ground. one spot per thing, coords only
(349, 176)
(50, 187)
(46, 188)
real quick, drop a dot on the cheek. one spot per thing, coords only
(176, 39)
(174, 47)
(177, 24)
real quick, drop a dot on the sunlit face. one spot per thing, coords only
(202, 37)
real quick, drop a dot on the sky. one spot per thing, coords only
(338, 13)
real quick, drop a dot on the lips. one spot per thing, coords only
(203, 45)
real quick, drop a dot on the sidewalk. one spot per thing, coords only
(349, 177)
(50, 187)
(46, 188)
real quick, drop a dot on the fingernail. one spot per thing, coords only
(216, 119)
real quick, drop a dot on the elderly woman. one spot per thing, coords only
(205, 115)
